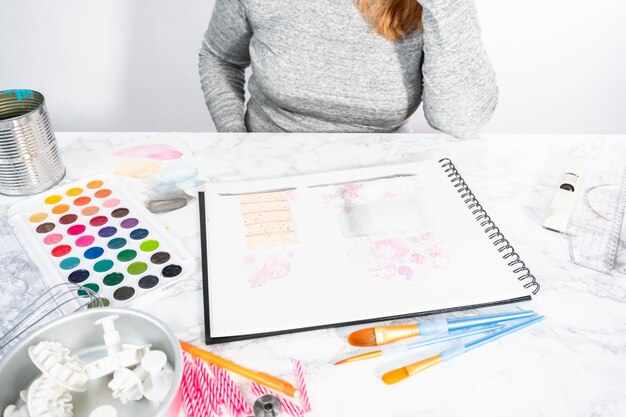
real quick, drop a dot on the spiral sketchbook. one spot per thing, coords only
(349, 247)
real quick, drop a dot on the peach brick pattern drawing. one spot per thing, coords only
(267, 219)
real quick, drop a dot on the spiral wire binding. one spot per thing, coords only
(49, 301)
(495, 235)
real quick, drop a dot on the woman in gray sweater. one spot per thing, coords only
(346, 66)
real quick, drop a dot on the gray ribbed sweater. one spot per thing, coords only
(317, 66)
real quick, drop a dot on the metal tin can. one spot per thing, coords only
(29, 158)
(78, 333)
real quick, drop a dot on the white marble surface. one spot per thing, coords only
(572, 364)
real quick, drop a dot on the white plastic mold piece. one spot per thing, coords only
(48, 399)
(15, 411)
(23, 397)
(57, 362)
(111, 336)
(104, 411)
(127, 385)
(130, 356)
(19, 409)
(158, 384)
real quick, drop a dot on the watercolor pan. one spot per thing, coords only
(97, 233)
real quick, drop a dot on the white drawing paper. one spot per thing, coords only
(345, 246)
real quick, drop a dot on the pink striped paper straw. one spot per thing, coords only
(301, 385)
(239, 401)
(201, 392)
(211, 394)
(290, 408)
(220, 388)
(228, 394)
(188, 387)
(215, 382)
(214, 396)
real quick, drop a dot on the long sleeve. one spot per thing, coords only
(459, 86)
(224, 57)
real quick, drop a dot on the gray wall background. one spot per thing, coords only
(131, 65)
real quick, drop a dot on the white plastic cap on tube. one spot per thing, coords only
(154, 362)
(104, 411)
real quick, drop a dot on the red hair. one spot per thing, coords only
(392, 19)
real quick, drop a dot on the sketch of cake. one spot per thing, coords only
(267, 219)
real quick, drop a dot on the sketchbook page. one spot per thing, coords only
(338, 247)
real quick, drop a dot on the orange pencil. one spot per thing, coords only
(269, 381)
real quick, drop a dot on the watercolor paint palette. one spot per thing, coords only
(96, 233)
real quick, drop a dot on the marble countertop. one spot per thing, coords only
(571, 364)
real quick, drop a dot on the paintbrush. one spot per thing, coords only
(399, 374)
(392, 350)
(382, 335)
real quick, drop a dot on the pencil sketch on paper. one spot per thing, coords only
(400, 256)
(267, 219)
(269, 234)
(384, 224)
(268, 267)
(391, 230)
(378, 207)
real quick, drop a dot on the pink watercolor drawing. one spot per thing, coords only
(431, 238)
(418, 258)
(393, 234)
(401, 257)
(383, 272)
(416, 182)
(328, 198)
(405, 271)
(158, 152)
(344, 197)
(275, 266)
(438, 257)
(390, 249)
(351, 190)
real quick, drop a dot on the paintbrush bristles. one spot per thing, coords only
(363, 337)
(360, 357)
(399, 374)
(382, 335)
(395, 376)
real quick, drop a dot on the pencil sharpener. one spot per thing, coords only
(267, 406)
